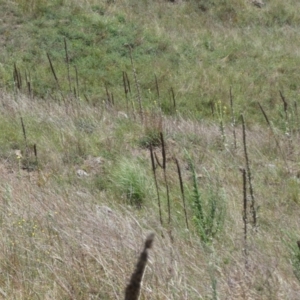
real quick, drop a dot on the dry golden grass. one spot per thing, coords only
(62, 239)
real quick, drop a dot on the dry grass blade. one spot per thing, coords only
(61, 283)
(132, 291)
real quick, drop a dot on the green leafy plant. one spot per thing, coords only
(208, 207)
(150, 138)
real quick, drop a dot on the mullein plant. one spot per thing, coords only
(133, 289)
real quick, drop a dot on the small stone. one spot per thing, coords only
(104, 210)
(81, 173)
(99, 160)
(258, 3)
(123, 115)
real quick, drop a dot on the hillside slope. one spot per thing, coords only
(90, 91)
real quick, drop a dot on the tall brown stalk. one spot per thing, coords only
(156, 184)
(252, 205)
(163, 165)
(276, 140)
(245, 219)
(182, 192)
(17, 77)
(133, 289)
(139, 98)
(68, 64)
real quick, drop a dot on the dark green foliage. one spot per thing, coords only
(151, 138)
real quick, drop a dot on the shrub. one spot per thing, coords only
(129, 179)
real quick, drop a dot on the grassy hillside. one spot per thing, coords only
(198, 48)
(120, 118)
